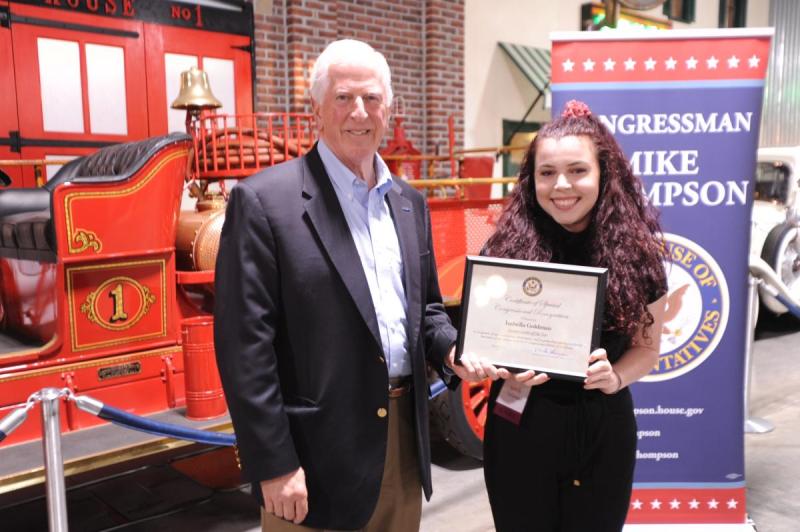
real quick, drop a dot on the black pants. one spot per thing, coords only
(567, 467)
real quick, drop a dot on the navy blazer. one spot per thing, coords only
(297, 338)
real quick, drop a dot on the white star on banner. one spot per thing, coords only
(568, 64)
(691, 63)
(650, 64)
(694, 504)
(712, 504)
(732, 504)
(671, 62)
(588, 65)
(608, 64)
(712, 62)
(629, 63)
(753, 61)
(733, 62)
(655, 505)
(637, 504)
(674, 504)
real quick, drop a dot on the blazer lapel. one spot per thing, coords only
(328, 221)
(404, 221)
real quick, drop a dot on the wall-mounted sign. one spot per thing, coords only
(237, 19)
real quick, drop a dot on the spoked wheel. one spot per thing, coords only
(782, 252)
(459, 416)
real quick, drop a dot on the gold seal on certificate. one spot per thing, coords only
(532, 315)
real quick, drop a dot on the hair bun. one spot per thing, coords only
(576, 109)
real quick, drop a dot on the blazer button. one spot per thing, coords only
(382, 360)
(382, 412)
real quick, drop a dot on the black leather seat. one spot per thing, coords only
(26, 228)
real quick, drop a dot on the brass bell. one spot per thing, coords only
(195, 92)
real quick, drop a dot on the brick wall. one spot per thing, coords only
(270, 59)
(444, 69)
(423, 41)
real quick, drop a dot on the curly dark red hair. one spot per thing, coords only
(623, 233)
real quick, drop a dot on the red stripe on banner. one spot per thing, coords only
(660, 60)
(688, 505)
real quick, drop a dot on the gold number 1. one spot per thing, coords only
(119, 313)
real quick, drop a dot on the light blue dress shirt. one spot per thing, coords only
(370, 222)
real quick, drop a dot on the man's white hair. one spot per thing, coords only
(349, 52)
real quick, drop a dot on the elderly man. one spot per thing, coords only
(327, 308)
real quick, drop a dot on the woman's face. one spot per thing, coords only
(567, 180)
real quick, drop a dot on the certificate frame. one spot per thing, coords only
(502, 307)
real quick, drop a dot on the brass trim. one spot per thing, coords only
(90, 364)
(88, 306)
(70, 197)
(456, 154)
(461, 182)
(452, 302)
(102, 459)
(34, 162)
(86, 239)
(118, 371)
(71, 299)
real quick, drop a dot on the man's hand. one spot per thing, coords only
(473, 368)
(287, 497)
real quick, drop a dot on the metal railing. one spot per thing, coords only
(39, 167)
(50, 398)
(764, 278)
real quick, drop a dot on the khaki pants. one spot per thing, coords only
(399, 507)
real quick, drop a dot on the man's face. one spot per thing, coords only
(352, 115)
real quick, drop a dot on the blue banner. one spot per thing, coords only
(686, 108)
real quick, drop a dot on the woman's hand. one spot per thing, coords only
(529, 378)
(601, 375)
(474, 369)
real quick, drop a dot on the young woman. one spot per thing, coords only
(566, 463)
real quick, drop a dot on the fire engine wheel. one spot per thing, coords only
(459, 416)
(782, 252)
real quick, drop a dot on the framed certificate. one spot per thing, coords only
(532, 315)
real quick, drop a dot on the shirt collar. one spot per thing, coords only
(345, 180)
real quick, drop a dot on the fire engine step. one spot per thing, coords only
(12, 344)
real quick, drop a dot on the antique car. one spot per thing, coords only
(774, 231)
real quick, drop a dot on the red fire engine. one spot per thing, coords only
(106, 282)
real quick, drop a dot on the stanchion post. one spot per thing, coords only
(53, 461)
(752, 425)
